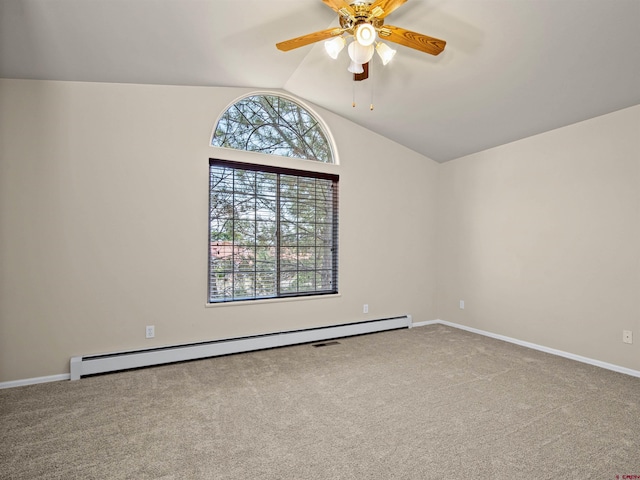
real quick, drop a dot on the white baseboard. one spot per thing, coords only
(34, 381)
(428, 322)
(553, 351)
(522, 343)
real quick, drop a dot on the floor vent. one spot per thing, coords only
(117, 361)
(325, 344)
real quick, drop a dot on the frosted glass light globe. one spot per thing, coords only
(365, 34)
(355, 68)
(334, 46)
(359, 53)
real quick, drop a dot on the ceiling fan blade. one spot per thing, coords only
(411, 39)
(387, 6)
(308, 39)
(338, 5)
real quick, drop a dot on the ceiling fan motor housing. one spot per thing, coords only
(362, 14)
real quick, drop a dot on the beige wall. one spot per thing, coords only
(541, 238)
(103, 208)
(103, 225)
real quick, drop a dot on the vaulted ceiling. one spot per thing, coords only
(511, 68)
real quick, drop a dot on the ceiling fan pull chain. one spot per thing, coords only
(373, 82)
(353, 103)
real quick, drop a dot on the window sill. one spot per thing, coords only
(261, 301)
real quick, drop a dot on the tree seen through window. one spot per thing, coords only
(272, 125)
(273, 232)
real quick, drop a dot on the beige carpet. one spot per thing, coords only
(427, 403)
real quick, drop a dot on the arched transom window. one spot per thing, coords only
(273, 125)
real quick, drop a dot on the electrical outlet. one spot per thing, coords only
(150, 331)
(627, 336)
(462, 304)
(365, 308)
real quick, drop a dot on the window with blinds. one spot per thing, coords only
(273, 232)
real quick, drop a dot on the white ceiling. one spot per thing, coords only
(511, 68)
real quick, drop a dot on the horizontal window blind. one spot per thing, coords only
(273, 232)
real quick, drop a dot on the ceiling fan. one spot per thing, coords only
(364, 22)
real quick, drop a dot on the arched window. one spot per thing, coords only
(273, 230)
(273, 125)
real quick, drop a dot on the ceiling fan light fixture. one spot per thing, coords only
(361, 26)
(334, 46)
(365, 34)
(360, 54)
(385, 52)
(355, 67)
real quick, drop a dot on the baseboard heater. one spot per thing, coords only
(112, 362)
